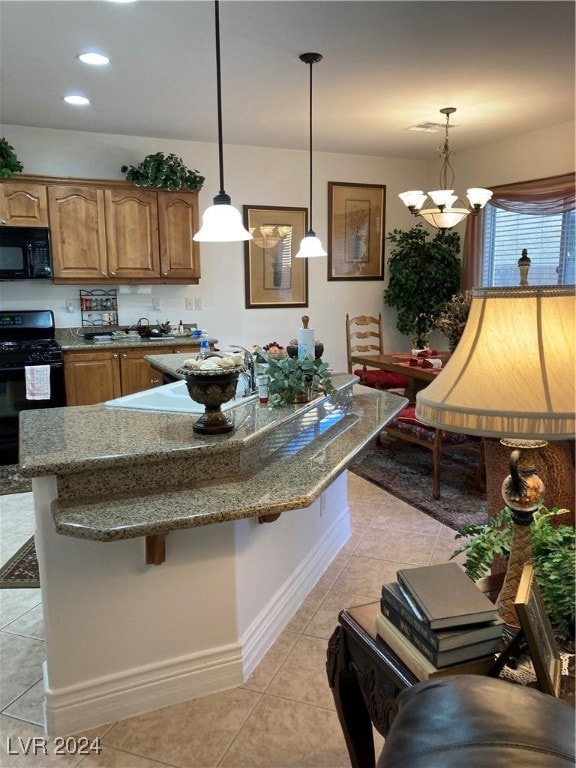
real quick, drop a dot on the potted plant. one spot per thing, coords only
(453, 318)
(293, 379)
(423, 275)
(163, 171)
(553, 556)
(9, 163)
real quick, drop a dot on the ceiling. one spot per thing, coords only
(508, 68)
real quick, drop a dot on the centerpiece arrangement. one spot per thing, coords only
(295, 374)
(213, 381)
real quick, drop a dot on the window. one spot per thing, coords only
(548, 238)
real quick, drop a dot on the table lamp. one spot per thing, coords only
(511, 376)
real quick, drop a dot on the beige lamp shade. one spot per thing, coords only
(513, 371)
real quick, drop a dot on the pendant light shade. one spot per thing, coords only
(310, 245)
(221, 222)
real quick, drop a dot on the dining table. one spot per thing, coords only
(399, 362)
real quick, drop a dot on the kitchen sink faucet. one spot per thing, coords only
(250, 374)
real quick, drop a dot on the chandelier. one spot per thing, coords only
(440, 212)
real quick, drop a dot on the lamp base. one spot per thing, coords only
(523, 493)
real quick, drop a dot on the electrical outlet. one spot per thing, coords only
(156, 304)
(198, 303)
(189, 303)
(69, 305)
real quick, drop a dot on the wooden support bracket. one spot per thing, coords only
(268, 518)
(156, 549)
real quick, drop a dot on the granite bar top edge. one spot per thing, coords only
(280, 486)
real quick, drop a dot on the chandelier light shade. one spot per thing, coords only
(439, 210)
(310, 245)
(512, 377)
(221, 222)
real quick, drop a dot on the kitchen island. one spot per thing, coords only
(113, 486)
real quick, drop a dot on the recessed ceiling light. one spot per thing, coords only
(76, 100)
(94, 58)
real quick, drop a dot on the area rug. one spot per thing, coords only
(21, 571)
(405, 471)
(11, 481)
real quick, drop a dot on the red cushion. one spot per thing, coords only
(408, 416)
(382, 379)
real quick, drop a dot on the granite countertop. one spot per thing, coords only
(127, 473)
(72, 340)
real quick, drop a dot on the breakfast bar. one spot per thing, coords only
(162, 577)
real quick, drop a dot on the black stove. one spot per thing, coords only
(27, 339)
(29, 352)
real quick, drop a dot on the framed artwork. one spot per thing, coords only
(538, 632)
(356, 231)
(274, 277)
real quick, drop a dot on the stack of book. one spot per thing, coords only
(438, 622)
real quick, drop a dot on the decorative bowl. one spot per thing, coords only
(212, 389)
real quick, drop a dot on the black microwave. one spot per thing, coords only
(25, 253)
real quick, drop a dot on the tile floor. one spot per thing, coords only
(283, 716)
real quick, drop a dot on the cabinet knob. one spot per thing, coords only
(113, 274)
(154, 381)
(124, 355)
(176, 351)
(165, 274)
(3, 221)
(104, 274)
(115, 355)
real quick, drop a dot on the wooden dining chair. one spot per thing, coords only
(407, 427)
(364, 336)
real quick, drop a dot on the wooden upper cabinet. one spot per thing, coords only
(23, 204)
(78, 232)
(178, 222)
(106, 231)
(132, 233)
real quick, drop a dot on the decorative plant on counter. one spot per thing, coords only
(553, 555)
(163, 171)
(294, 380)
(453, 318)
(424, 275)
(9, 163)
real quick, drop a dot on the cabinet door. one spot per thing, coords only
(137, 374)
(23, 204)
(132, 233)
(92, 377)
(78, 232)
(178, 222)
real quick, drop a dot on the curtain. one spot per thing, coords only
(544, 196)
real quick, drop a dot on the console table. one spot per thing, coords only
(366, 676)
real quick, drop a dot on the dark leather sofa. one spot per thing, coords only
(469, 721)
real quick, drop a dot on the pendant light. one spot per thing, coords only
(310, 245)
(221, 222)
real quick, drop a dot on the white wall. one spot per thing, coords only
(260, 176)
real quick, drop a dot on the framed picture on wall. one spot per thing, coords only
(274, 277)
(356, 231)
(537, 629)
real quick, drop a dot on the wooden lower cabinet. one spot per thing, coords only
(94, 377)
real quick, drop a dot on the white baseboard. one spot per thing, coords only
(264, 630)
(80, 708)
